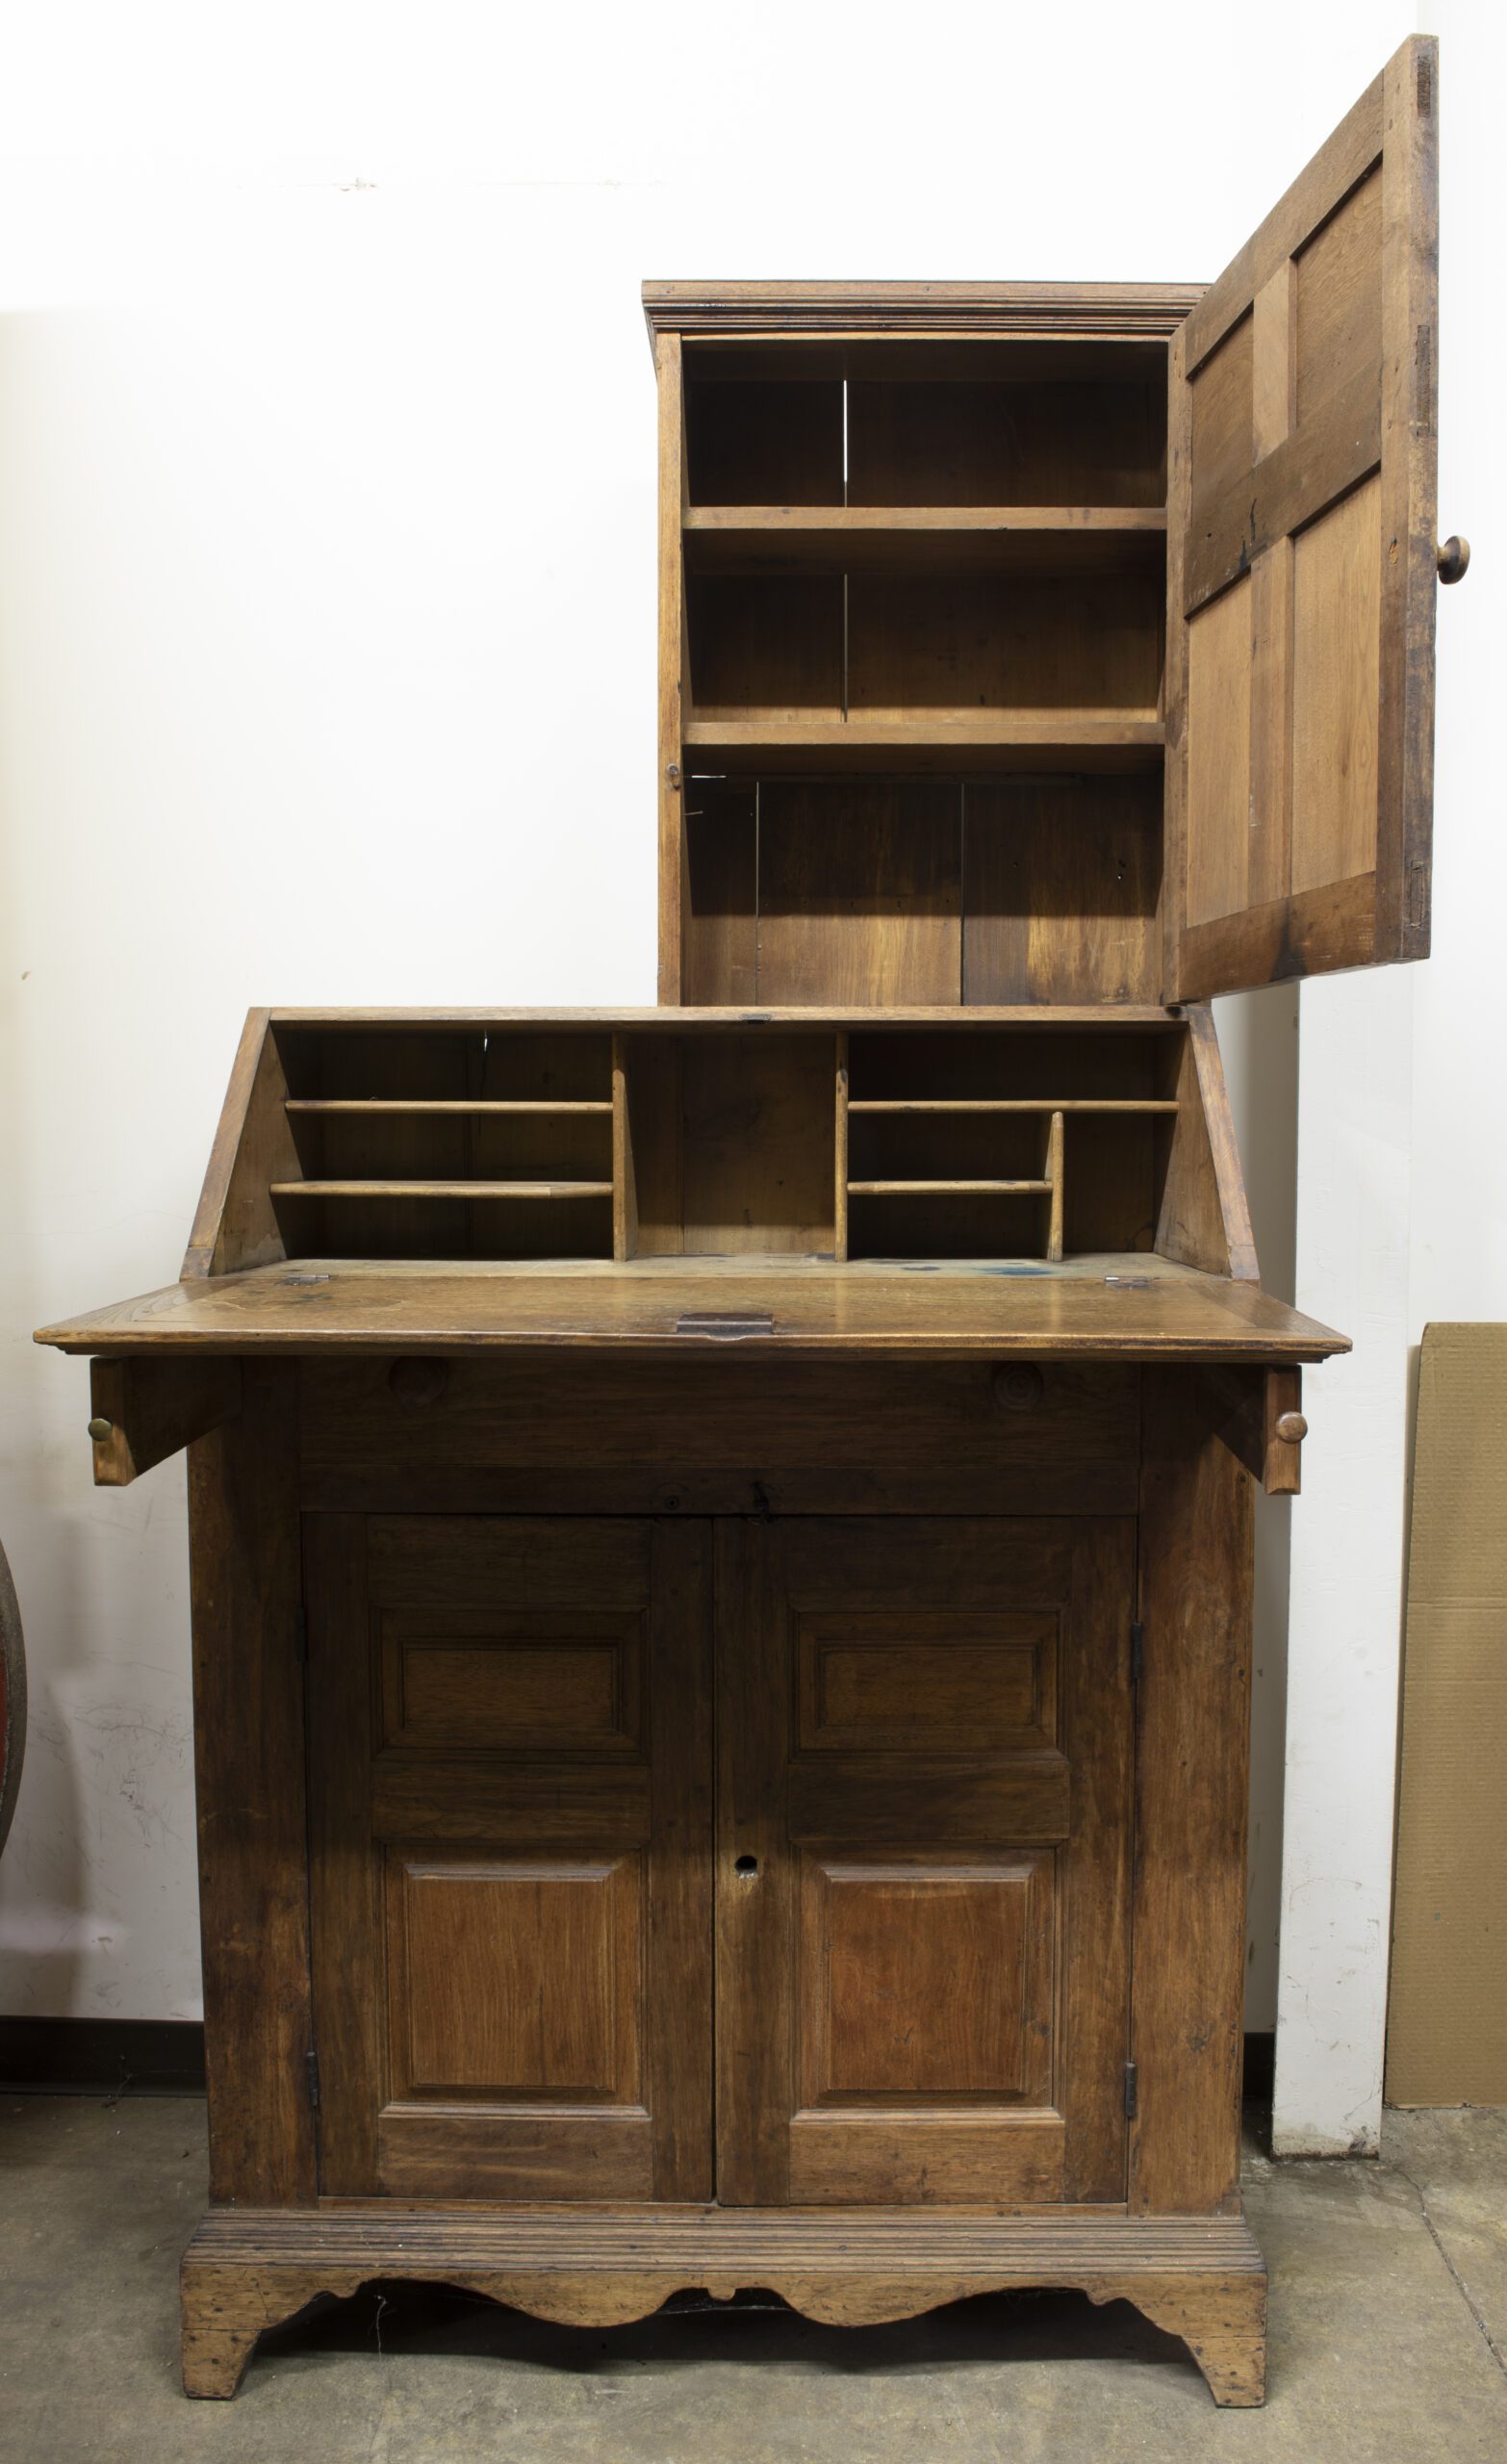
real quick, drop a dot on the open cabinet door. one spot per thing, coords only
(1301, 569)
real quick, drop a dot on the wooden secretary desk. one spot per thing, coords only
(722, 1534)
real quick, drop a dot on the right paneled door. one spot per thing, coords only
(923, 1860)
(1301, 569)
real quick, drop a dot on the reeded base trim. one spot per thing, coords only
(248, 2269)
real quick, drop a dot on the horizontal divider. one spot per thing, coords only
(442, 1188)
(946, 1188)
(366, 1104)
(926, 517)
(1011, 1104)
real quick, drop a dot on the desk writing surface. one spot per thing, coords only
(1128, 1306)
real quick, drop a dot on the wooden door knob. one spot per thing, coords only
(1293, 1426)
(100, 1429)
(1453, 558)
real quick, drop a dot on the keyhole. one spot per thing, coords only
(746, 1868)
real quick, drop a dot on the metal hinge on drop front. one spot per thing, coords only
(1137, 1643)
(311, 2072)
(1131, 2076)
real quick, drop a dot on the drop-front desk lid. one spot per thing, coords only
(1124, 1305)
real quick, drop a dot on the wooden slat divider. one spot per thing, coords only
(625, 1183)
(840, 1242)
(1053, 1170)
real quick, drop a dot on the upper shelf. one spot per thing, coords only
(1008, 740)
(754, 538)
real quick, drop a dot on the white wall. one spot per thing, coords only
(326, 622)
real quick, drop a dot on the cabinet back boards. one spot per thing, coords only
(721, 1534)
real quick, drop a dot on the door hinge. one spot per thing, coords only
(311, 2072)
(1130, 2090)
(301, 1634)
(1138, 1651)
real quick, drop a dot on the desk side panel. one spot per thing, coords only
(248, 1715)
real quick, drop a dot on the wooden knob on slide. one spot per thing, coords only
(1453, 558)
(1293, 1426)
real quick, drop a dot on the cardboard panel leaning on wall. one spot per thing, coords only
(1447, 2032)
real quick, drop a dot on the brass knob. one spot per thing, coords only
(100, 1429)
(1293, 1428)
(1453, 558)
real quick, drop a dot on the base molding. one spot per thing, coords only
(247, 2270)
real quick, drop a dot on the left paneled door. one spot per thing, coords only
(510, 1815)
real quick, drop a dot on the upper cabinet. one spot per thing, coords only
(1301, 567)
(1056, 644)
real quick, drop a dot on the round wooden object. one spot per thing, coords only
(1293, 1428)
(1018, 1388)
(1453, 558)
(419, 1381)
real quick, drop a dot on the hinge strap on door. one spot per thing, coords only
(311, 2072)
(1138, 1642)
(1130, 2090)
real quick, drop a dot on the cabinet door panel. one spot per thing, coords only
(511, 1856)
(923, 1860)
(1301, 569)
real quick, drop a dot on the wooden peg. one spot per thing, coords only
(1453, 558)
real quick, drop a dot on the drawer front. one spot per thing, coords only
(719, 1435)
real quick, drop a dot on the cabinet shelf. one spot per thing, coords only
(950, 1188)
(366, 1106)
(908, 538)
(1013, 741)
(1012, 1104)
(442, 1188)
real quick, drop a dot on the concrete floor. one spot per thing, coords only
(1389, 2339)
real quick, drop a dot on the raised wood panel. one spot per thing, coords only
(1337, 563)
(517, 1682)
(1219, 755)
(515, 1978)
(1221, 412)
(1338, 304)
(874, 1681)
(925, 1980)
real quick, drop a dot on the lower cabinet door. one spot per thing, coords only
(511, 1856)
(924, 1812)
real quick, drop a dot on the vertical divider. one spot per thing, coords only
(674, 663)
(840, 1125)
(625, 1188)
(1056, 1144)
